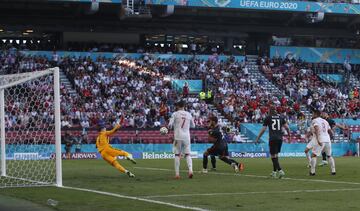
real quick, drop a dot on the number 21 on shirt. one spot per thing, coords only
(275, 124)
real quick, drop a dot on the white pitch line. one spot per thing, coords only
(249, 193)
(259, 176)
(324, 181)
(136, 198)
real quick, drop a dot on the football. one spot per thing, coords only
(164, 130)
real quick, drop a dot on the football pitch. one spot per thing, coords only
(95, 185)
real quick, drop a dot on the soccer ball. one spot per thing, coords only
(164, 130)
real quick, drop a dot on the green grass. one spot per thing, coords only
(241, 191)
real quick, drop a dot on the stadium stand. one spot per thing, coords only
(108, 88)
(303, 85)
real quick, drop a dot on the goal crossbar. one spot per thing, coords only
(24, 77)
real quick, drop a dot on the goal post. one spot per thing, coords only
(2, 133)
(30, 129)
(57, 127)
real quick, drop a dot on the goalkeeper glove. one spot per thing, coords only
(120, 121)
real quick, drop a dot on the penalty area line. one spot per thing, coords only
(135, 198)
(251, 193)
(259, 176)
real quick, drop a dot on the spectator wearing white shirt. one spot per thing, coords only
(237, 138)
(65, 124)
(85, 126)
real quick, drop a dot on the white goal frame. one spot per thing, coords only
(26, 77)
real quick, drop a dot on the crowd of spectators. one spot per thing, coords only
(109, 88)
(115, 87)
(304, 86)
(242, 98)
(141, 91)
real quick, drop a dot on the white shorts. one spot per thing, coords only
(327, 148)
(311, 144)
(181, 147)
(317, 149)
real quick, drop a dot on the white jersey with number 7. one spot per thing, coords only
(324, 127)
(181, 121)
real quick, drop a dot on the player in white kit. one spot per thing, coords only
(311, 143)
(320, 142)
(181, 121)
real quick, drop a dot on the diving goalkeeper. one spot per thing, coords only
(109, 153)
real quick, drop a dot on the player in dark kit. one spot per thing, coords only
(219, 148)
(275, 123)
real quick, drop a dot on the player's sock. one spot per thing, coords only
(234, 161)
(313, 165)
(118, 166)
(189, 163)
(177, 165)
(323, 156)
(278, 167)
(213, 162)
(308, 156)
(205, 161)
(274, 165)
(226, 160)
(332, 164)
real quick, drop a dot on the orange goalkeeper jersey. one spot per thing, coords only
(102, 140)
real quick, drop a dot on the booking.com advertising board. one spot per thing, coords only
(164, 151)
(317, 55)
(279, 5)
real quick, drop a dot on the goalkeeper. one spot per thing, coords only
(109, 153)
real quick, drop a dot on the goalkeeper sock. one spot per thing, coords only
(177, 165)
(119, 167)
(189, 163)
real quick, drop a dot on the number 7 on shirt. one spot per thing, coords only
(184, 119)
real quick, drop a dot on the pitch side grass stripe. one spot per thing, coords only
(136, 198)
(249, 193)
(259, 176)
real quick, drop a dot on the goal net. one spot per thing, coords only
(30, 129)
